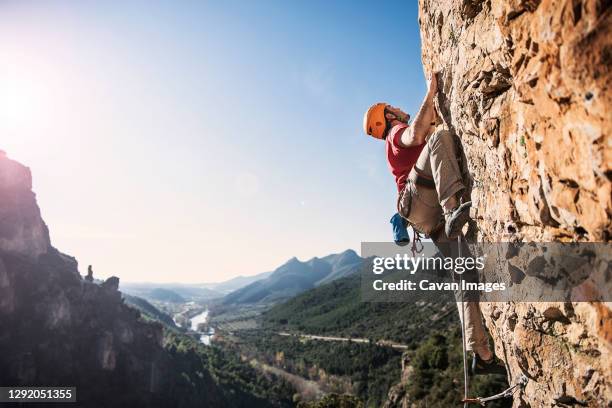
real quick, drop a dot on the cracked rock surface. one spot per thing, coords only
(525, 85)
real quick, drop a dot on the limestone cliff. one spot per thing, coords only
(57, 329)
(22, 229)
(525, 85)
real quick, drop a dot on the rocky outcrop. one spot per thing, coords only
(398, 396)
(57, 329)
(22, 229)
(525, 85)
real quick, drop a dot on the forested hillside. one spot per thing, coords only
(337, 309)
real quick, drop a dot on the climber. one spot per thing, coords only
(424, 163)
(433, 186)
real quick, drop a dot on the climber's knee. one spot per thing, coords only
(440, 136)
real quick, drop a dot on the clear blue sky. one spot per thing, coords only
(197, 141)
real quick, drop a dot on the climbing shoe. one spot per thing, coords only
(483, 367)
(456, 219)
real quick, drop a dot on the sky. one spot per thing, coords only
(198, 141)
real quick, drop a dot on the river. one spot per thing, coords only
(205, 337)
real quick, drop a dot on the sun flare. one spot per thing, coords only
(20, 100)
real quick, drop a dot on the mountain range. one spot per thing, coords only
(236, 283)
(185, 292)
(295, 277)
(170, 292)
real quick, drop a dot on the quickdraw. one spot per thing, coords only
(504, 394)
(416, 241)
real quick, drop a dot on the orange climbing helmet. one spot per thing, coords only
(374, 122)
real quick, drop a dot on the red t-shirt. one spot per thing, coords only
(400, 159)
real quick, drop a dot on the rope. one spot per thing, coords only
(508, 392)
(466, 385)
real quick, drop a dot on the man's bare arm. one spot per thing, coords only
(415, 135)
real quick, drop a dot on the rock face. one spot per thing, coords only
(22, 229)
(525, 85)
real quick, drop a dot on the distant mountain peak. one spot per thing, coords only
(291, 262)
(295, 276)
(349, 253)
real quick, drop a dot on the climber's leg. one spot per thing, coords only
(423, 206)
(439, 161)
(475, 331)
(475, 334)
(442, 160)
(443, 164)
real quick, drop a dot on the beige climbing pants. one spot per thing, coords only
(443, 161)
(475, 333)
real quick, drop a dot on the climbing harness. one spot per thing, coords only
(508, 392)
